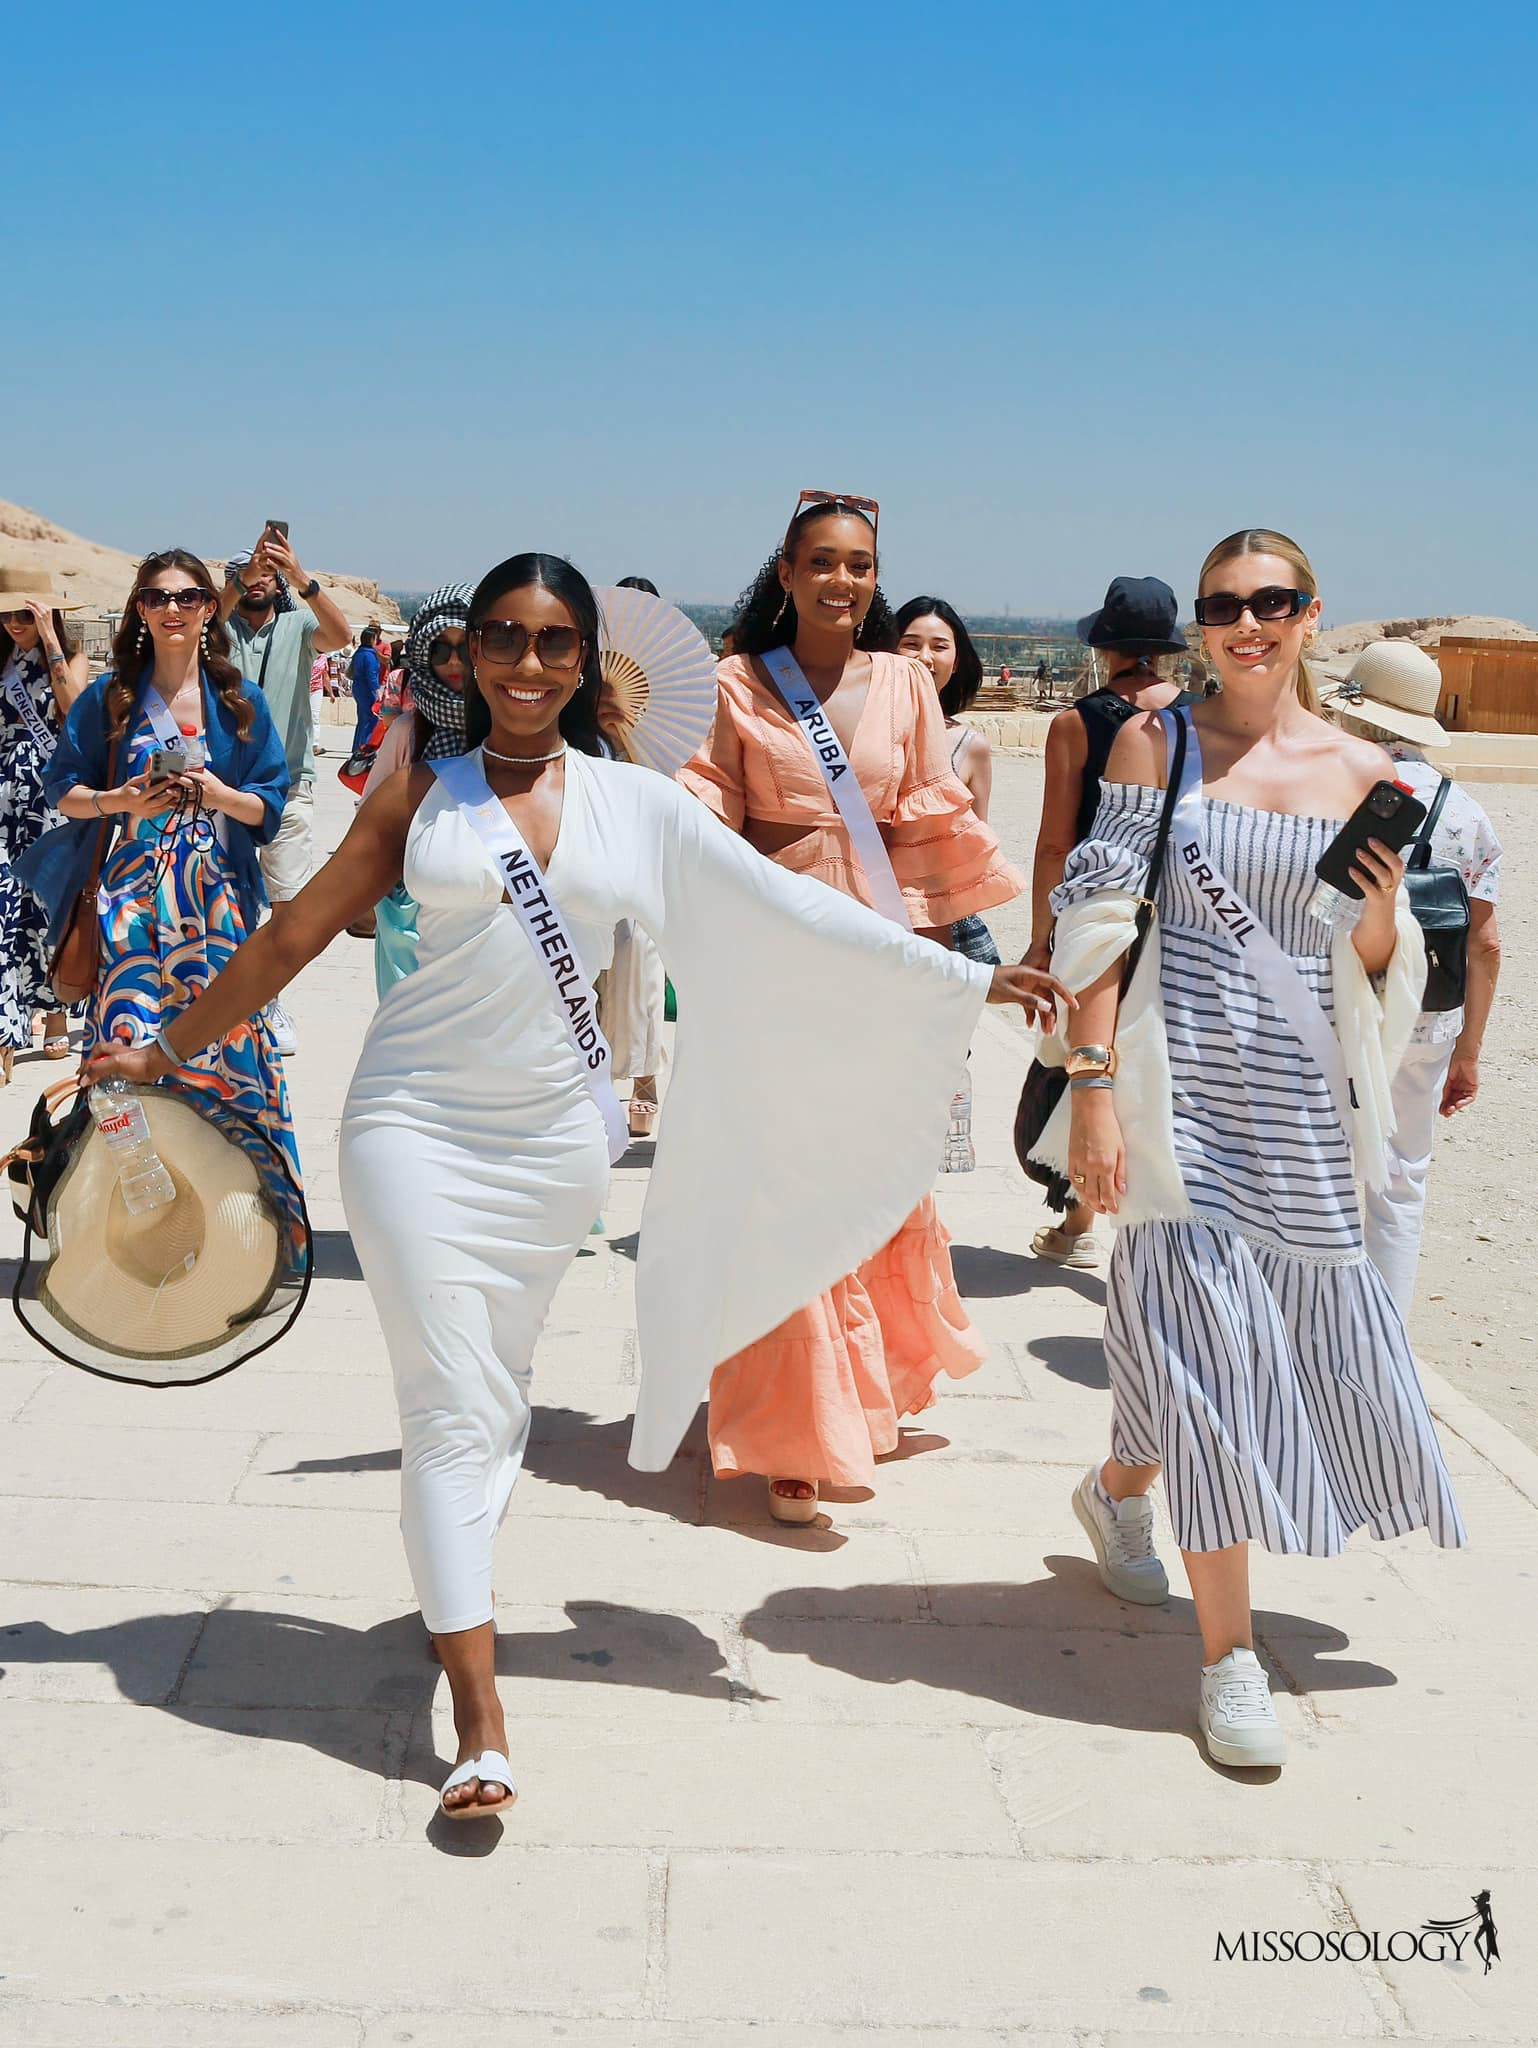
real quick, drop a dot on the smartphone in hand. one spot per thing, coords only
(1391, 813)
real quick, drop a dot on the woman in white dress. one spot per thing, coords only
(471, 1093)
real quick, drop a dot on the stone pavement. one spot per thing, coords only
(908, 1778)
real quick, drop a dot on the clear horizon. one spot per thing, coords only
(1073, 296)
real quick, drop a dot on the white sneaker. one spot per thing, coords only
(1122, 1533)
(285, 1037)
(1076, 1249)
(1238, 1721)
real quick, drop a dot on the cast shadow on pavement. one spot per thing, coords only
(568, 1447)
(984, 1273)
(288, 1677)
(1059, 1647)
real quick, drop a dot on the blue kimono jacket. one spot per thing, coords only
(56, 866)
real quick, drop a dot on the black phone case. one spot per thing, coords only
(1395, 829)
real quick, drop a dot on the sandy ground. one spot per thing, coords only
(1473, 1315)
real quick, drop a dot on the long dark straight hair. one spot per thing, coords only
(766, 613)
(61, 634)
(579, 715)
(133, 657)
(967, 676)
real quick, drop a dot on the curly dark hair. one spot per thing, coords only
(131, 661)
(766, 614)
(579, 717)
(967, 676)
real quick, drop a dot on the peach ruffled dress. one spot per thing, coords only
(820, 1397)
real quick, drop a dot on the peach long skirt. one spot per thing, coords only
(820, 1397)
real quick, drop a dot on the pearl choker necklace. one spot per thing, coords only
(523, 760)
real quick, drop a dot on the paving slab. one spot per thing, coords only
(974, 1941)
(370, 1929)
(113, 2023)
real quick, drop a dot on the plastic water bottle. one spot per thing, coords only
(120, 1118)
(959, 1155)
(1335, 908)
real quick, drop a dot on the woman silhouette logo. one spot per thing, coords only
(1484, 1939)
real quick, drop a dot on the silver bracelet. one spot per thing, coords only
(168, 1048)
(1090, 1081)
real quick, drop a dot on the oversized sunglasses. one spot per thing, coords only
(555, 647)
(442, 651)
(9, 619)
(838, 501)
(1227, 608)
(184, 600)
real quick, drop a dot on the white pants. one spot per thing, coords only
(288, 858)
(631, 994)
(1393, 1214)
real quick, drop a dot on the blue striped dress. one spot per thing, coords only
(1255, 1352)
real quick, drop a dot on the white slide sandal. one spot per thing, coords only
(492, 1768)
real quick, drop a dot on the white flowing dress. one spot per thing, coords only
(474, 1159)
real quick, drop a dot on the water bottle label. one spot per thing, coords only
(123, 1126)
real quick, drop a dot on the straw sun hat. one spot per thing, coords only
(19, 587)
(182, 1292)
(1393, 685)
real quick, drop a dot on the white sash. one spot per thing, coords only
(462, 776)
(162, 724)
(21, 698)
(864, 833)
(1275, 975)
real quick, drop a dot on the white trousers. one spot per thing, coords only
(631, 993)
(1394, 1214)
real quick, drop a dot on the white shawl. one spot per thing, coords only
(1373, 1029)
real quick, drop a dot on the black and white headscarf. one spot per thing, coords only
(443, 708)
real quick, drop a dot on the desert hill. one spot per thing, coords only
(1338, 640)
(100, 578)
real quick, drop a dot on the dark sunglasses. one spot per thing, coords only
(9, 619)
(184, 600)
(838, 501)
(1226, 608)
(555, 647)
(442, 651)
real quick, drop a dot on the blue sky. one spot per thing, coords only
(1073, 290)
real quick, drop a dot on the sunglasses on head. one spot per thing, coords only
(184, 600)
(555, 647)
(838, 501)
(1227, 608)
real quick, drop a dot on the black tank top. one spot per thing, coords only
(1104, 714)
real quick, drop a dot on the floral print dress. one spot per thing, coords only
(170, 920)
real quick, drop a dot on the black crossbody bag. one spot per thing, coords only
(1439, 897)
(1043, 1089)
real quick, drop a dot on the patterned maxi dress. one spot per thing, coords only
(1254, 1351)
(24, 818)
(170, 921)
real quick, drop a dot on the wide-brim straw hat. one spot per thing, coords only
(182, 1292)
(1391, 684)
(19, 587)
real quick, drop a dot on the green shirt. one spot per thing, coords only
(291, 636)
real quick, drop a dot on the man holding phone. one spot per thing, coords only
(276, 650)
